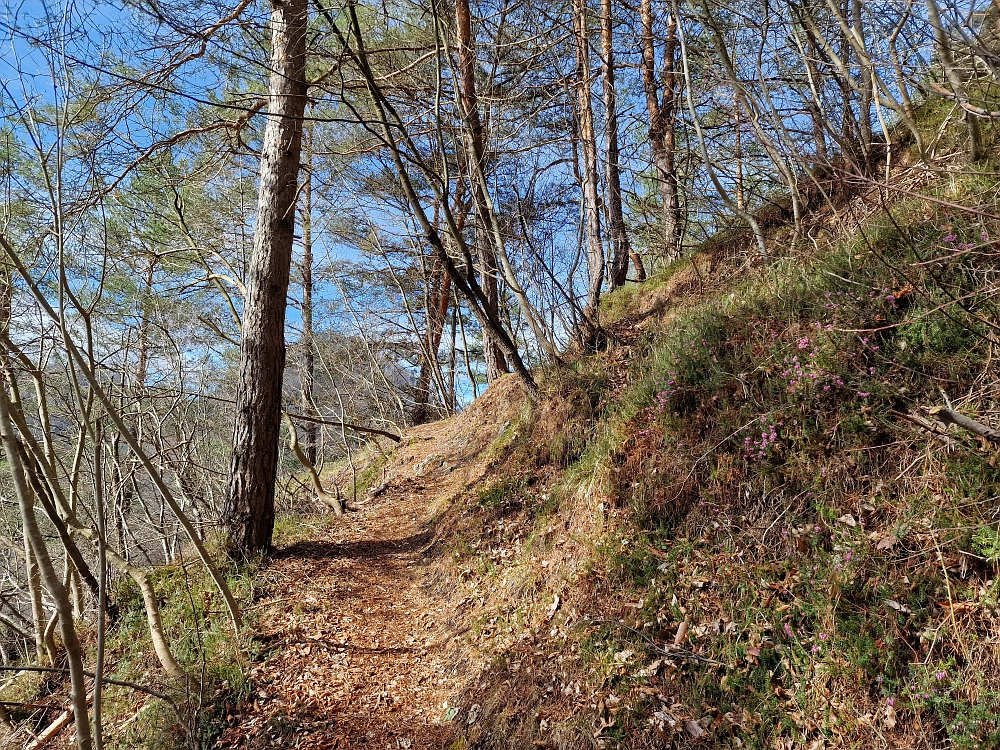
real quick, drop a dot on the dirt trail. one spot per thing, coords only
(356, 653)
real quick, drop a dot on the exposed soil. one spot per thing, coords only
(356, 652)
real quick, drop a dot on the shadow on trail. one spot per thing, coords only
(359, 550)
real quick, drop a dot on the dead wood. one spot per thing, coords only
(951, 417)
(934, 428)
(332, 501)
(62, 721)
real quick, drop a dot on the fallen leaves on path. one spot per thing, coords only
(354, 652)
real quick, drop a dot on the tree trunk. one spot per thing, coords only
(437, 313)
(466, 283)
(142, 363)
(37, 610)
(49, 577)
(248, 512)
(436, 306)
(588, 149)
(853, 148)
(817, 115)
(37, 556)
(865, 99)
(976, 148)
(662, 117)
(308, 340)
(616, 220)
(741, 199)
(496, 363)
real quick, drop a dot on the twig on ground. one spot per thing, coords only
(673, 650)
(948, 416)
(121, 683)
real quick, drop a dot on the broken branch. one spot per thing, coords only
(949, 417)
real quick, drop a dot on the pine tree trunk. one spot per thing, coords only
(468, 285)
(662, 115)
(437, 314)
(248, 512)
(616, 219)
(588, 149)
(496, 363)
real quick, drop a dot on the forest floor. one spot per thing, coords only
(354, 650)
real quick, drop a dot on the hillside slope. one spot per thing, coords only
(742, 525)
(746, 523)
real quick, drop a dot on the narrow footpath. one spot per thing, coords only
(354, 651)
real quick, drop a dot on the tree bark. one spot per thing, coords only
(976, 148)
(815, 113)
(308, 338)
(49, 576)
(849, 124)
(588, 150)
(496, 363)
(741, 199)
(65, 520)
(439, 298)
(662, 118)
(950, 417)
(703, 148)
(37, 610)
(865, 99)
(248, 513)
(616, 219)
(161, 646)
(466, 283)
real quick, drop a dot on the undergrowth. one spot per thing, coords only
(201, 636)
